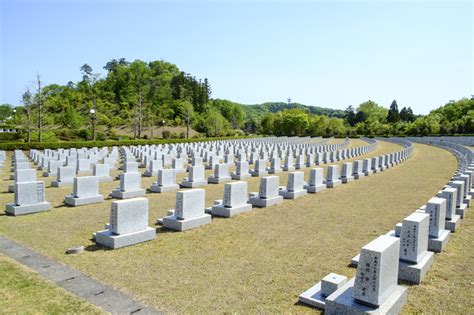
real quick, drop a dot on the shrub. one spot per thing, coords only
(166, 134)
(91, 144)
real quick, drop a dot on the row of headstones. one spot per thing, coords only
(86, 190)
(464, 155)
(190, 211)
(83, 159)
(403, 254)
(30, 195)
(3, 156)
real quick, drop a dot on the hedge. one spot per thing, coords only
(107, 143)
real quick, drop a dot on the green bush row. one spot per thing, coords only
(108, 143)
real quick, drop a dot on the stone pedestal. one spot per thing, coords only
(316, 295)
(342, 302)
(414, 273)
(121, 194)
(437, 244)
(452, 224)
(73, 201)
(13, 209)
(265, 202)
(173, 223)
(111, 240)
(227, 212)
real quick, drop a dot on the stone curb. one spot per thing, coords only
(75, 282)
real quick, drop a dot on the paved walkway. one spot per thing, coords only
(77, 283)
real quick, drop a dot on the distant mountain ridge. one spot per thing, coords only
(274, 107)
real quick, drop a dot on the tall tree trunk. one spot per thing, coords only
(28, 126)
(40, 111)
(140, 116)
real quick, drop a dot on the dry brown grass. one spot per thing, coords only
(256, 262)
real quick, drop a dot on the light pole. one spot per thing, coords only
(94, 120)
(163, 132)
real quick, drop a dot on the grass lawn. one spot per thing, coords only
(22, 291)
(259, 261)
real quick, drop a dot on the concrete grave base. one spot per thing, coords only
(150, 174)
(462, 210)
(467, 200)
(453, 224)
(117, 193)
(218, 180)
(358, 176)
(11, 188)
(437, 244)
(162, 189)
(346, 180)
(292, 194)
(342, 302)
(355, 261)
(272, 171)
(333, 183)
(314, 189)
(171, 222)
(108, 239)
(222, 211)
(265, 202)
(313, 296)
(257, 174)
(414, 273)
(239, 177)
(73, 201)
(188, 184)
(56, 183)
(13, 209)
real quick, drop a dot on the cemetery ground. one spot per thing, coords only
(23, 291)
(262, 260)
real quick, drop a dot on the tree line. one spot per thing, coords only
(147, 96)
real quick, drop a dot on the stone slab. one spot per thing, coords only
(117, 193)
(265, 202)
(414, 273)
(293, 194)
(333, 183)
(313, 296)
(162, 189)
(314, 189)
(79, 201)
(173, 223)
(108, 239)
(194, 184)
(342, 302)
(437, 244)
(15, 210)
(218, 180)
(453, 224)
(56, 183)
(227, 212)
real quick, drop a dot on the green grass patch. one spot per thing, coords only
(22, 291)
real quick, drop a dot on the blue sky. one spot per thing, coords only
(323, 53)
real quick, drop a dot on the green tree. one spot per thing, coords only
(393, 115)
(186, 110)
